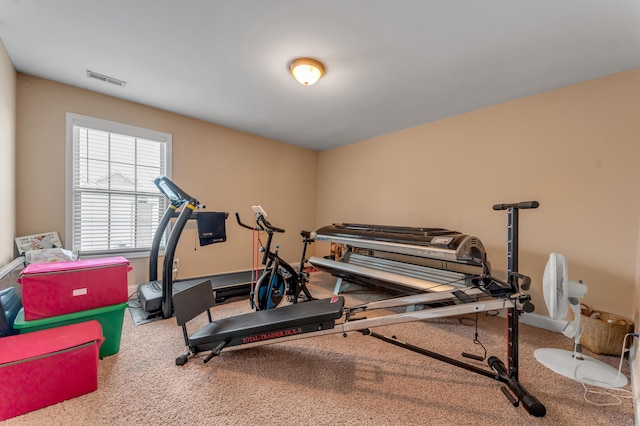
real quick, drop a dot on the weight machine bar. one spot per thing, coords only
(435, 355)
(521, 205)
(365, 323)
(529, 402)
(414, 299)
(512, 266)
(512, 315)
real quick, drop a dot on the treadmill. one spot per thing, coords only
(156, 296)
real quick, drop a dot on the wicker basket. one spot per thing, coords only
(604, 333)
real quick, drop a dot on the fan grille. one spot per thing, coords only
(555, 286)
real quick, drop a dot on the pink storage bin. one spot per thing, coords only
(46, 367)
(58, 288)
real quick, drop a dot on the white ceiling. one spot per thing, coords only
(391, 64)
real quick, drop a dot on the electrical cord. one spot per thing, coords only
(255, 263)
(617, 394)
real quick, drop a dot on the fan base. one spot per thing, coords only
(588, 370)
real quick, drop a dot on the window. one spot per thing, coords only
(113, 206)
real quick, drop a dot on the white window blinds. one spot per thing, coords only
(113, 205)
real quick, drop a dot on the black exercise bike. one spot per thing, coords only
(278, 277)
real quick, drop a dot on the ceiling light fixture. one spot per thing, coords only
(306, 71)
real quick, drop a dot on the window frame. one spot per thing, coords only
(73, 119)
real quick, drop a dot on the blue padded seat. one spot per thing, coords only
(10, 305)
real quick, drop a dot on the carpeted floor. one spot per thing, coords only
(328, 380)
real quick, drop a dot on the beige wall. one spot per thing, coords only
(7, 156)
(635, 359)
(575, 150)
(225, 169)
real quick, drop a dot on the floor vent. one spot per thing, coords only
(106, 79)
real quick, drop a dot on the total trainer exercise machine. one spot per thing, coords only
(330, 316)
(155, 296)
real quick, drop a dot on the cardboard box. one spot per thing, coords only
(109, 317)
(58, 288)
(49, 366)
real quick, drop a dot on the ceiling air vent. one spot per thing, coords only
(106, 78)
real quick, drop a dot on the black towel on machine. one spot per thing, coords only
(211, 227)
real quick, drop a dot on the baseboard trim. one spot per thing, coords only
(543, 321)
(540, 321)
(635, 375)
(9, 267)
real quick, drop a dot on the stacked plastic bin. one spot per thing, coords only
(69, 309)
(48, 366)
(62, 293)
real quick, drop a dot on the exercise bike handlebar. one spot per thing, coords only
(267, 225)
(242, 224)
(262, 224)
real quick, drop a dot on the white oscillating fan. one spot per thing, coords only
(559, 294)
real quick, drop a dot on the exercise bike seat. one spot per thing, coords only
(258, 326)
